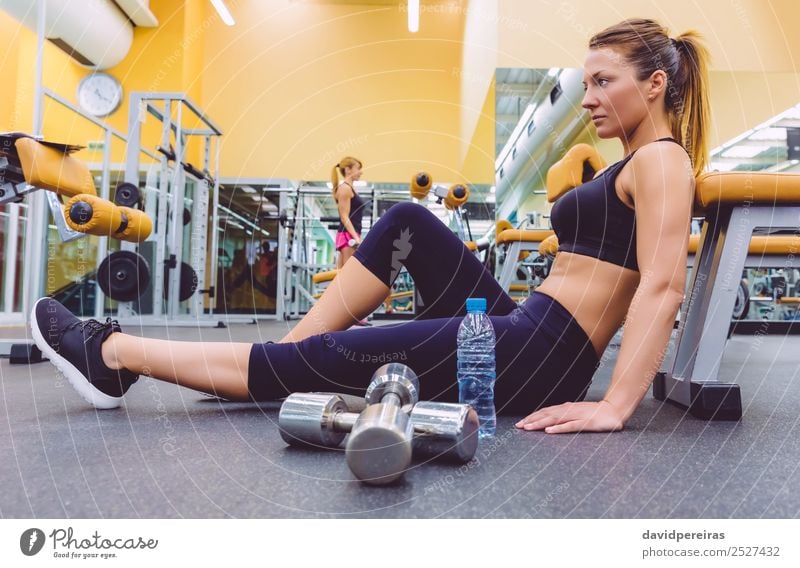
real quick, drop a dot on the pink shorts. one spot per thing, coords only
(342, 239)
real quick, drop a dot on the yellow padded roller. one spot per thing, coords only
(745, 188)
(139, 226)
(761, 245)
(326, 276)
(502, 225)
(93, 215)
(46, 167)
(420, 185)
(457, 195)
(579, 165)
(549, 246)
(525, 236)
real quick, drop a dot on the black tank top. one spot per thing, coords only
(592, 220)
(356, 212)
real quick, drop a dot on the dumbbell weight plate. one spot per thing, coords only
(378, 450)
(445, 429)
(397, 379)
(354, 403)
(126, 195)
(307, 419)
(188, 282)
(123, 276)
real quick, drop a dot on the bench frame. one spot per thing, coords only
(692, 379)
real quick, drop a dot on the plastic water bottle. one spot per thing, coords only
(476, 364)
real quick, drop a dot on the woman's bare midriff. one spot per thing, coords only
(597, 293)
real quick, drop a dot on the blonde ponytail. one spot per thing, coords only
(335, 179)
(692, 116)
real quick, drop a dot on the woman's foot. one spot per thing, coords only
(74, 346)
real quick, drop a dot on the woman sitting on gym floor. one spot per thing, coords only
(623, 246)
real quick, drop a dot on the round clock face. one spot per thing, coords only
(99, 94)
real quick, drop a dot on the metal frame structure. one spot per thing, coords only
(32, 278)
(172, 181)
(692, 379)
(294, 274)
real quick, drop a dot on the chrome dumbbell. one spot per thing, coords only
(441, 429)
(322, 419)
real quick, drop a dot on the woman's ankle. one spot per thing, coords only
(110, 352)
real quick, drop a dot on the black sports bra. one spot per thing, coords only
(592, 220)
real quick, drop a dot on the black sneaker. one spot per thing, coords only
(73, 346)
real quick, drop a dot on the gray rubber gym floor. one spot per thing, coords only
(171, 452)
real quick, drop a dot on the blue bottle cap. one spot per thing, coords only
(476, 305)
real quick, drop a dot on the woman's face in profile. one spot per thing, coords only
(614, 97)
(354, 171)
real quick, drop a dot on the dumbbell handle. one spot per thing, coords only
(343, 421)
(391, 398)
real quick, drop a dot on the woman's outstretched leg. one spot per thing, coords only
(102, 363)
(217, 368)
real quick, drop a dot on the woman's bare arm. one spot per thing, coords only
(663, 192)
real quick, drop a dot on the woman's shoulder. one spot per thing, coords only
(344, 190)
(661, 153)
(658, 164)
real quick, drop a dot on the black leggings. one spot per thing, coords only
(543, 357)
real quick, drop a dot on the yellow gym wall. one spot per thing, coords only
(9, 47)
(166, 58)
(298, 85)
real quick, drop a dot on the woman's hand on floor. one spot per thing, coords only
(574, 417)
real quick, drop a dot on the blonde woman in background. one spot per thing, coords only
(350, 205)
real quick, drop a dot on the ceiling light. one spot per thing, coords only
(223, 12)
(413, 16)
(247, 189)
